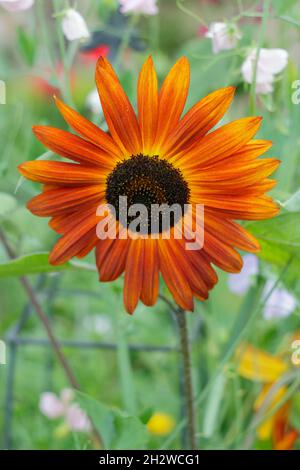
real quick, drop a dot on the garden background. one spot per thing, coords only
(128, 367)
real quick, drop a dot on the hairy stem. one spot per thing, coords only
(187, 377)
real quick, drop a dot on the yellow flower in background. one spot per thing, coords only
(258, 366)
(62, 431)
(160, 424)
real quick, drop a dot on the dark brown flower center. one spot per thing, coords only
(149, 181)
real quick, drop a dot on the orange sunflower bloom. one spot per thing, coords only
(156, 157)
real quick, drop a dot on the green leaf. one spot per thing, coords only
(118, 430)
(213, 405)
(27, 45)
(131, 433)
(37, 263)
(293, 203)
(283, 230)
(281, 6)
(102, 416)
(280, 240)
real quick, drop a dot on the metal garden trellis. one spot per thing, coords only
(15, 339)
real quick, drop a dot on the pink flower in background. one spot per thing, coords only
(280, 303)
(62, 406)
(202, 31)
(148, 7)
(77, 419)
(240, 283)
(223, 36)
(51, 405)
(270, 63)
(16, 5)
(74, 26)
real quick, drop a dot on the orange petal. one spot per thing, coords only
(148, 104)
(56, 201)
(89, 245)
(236, 177)
(67, 222)
(288, 441)
(61, 173)
(75, 240)
(202, 117)
(118, 112)
(113, 262)
(73, 147)
(219, 144)
(248, 152)
(232, 233)
(177, 248)
(203, 267)
(174, 277)
(87, 129)
(242, 207)
(134, 270)
(221, 254)
(150, 285)
(172, 98)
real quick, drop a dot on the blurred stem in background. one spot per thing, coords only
(66, 56)
(51, 336)
(124, 361)
(181, 7)
(133, 20)
(267, 4)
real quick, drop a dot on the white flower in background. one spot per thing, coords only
(16, 5)
(53, 407)
(223, 36)
(148, 7)
(270, 63)
(74, 25)
(100, 323)
(280, 303)
(93, 102)
(239, 283)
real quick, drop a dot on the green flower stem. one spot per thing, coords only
(187, 378)
(266, 9)
(66, 62)
(126, 39)
(185, 10)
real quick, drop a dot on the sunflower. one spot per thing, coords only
(156, 157)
